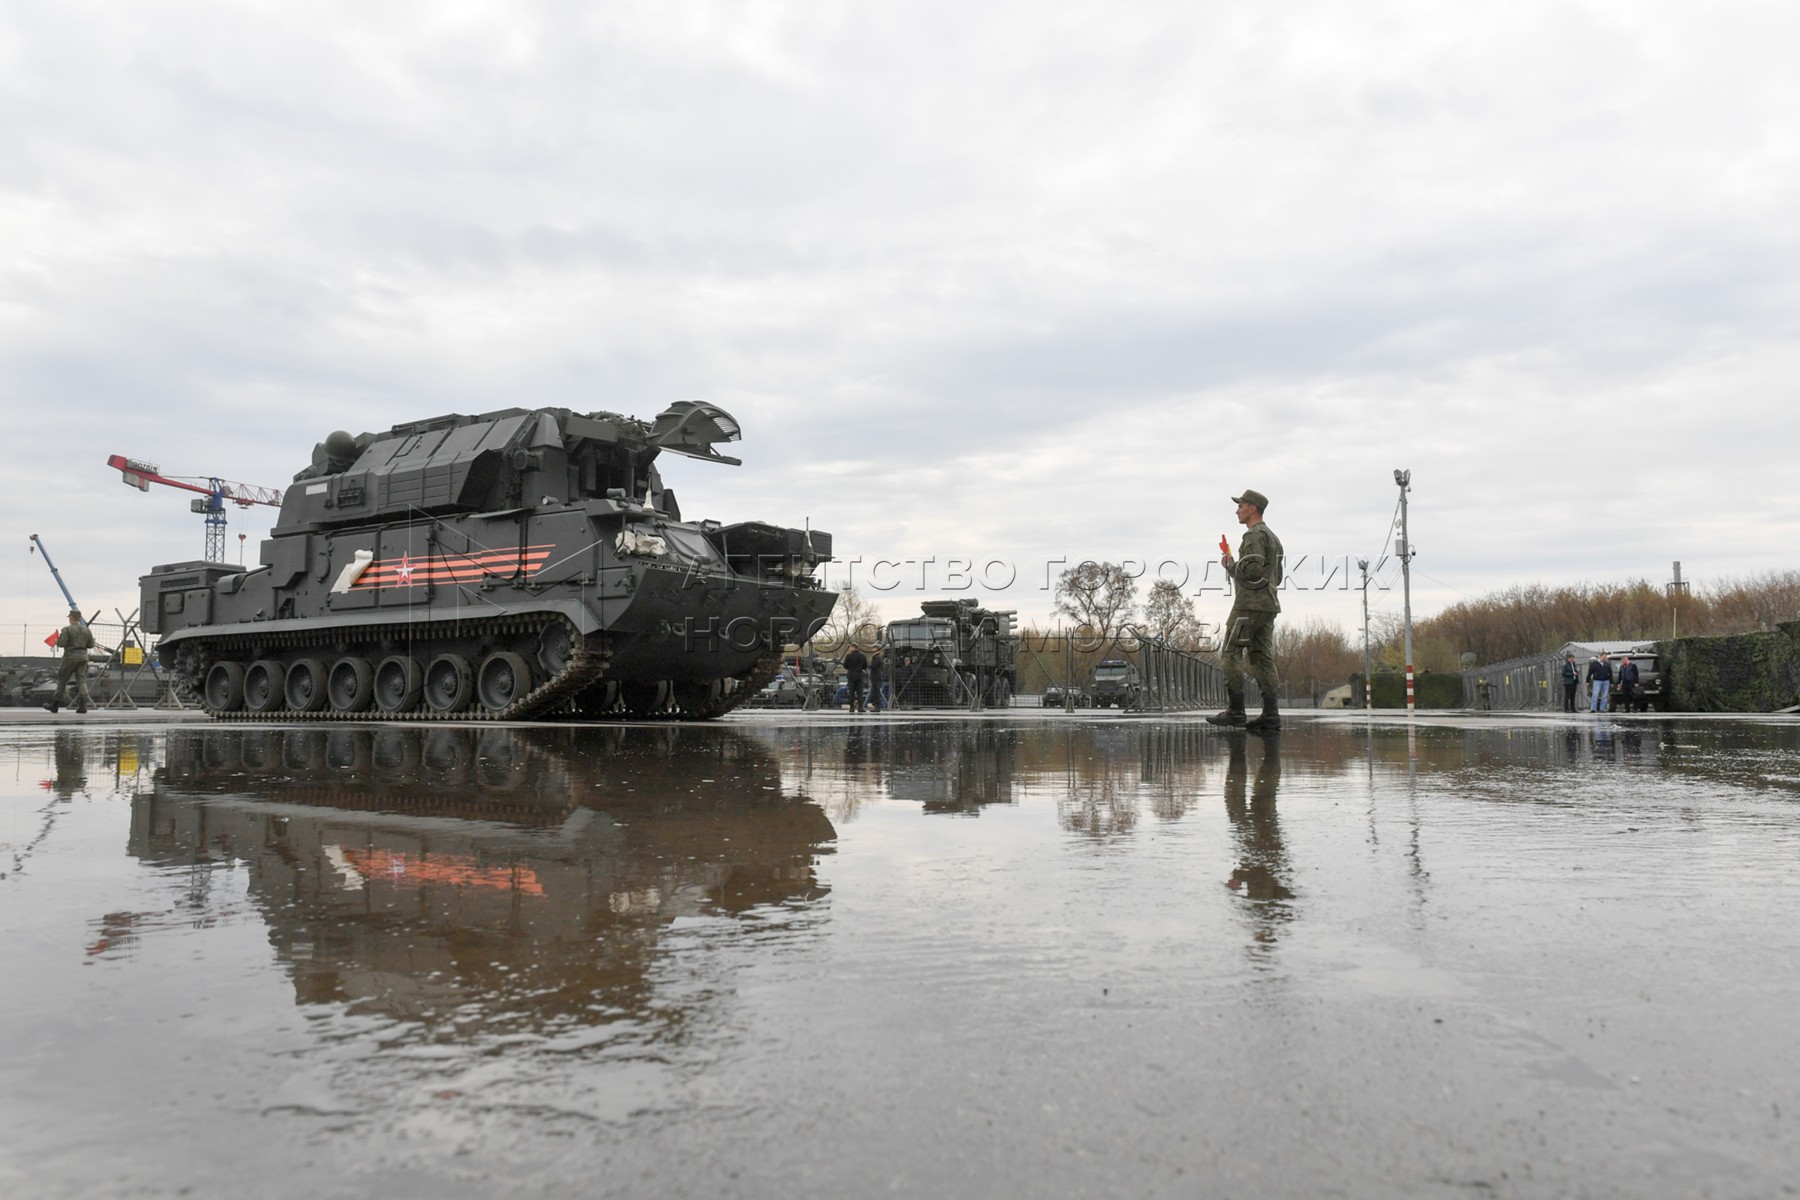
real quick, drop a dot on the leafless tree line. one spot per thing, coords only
(1535, 619)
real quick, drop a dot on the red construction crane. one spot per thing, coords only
(216, 491)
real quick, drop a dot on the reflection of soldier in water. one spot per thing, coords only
(1261, 860)
(71, 765)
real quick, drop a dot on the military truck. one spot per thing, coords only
(956, 654)
(519, 564)
(1115, 683)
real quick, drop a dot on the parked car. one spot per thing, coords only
(1056, 694)
(791, 690)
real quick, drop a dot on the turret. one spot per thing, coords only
(514, 458)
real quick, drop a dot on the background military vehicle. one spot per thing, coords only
(1115, 683)
(518, 564)
(18, 678)
(1059, 695)
(952, 654)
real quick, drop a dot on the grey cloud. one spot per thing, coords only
(914, 247)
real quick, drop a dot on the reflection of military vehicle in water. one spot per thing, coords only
(1115, 683)
(516, 564)
(486, 879)
(959, 774)
(951, 655)
(962, 767)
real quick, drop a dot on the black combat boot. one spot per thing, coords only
(81, 706)
(1234, 709)
(1268, 720)
(54, 704)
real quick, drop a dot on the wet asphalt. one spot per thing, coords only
(1024, 953)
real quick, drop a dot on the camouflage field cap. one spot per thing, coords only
(1252, 496)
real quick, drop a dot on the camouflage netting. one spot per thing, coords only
(1747, 672)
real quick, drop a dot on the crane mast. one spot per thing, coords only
(37, 544)
(214, 493)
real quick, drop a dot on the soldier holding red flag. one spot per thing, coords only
(74, 640)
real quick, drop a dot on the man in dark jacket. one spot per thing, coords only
(856, 663)
(1628, 684)
(1571, 677)
(1600, 676)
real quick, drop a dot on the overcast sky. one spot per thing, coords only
(1004, 281)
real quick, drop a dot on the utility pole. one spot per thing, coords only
(1368, 683)
(1404, 548)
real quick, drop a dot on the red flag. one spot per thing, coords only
(52, 639)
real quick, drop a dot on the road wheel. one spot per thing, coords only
(224, 688)
(305, 685)
(697, 697)
(449, 683)
(351, 685)
(505, 677)
(556, 649)
(597, 699)
(398, 681)
(263, 686)
(642, 699)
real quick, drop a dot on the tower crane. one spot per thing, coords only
(214, 492)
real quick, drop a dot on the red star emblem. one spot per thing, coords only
(405, 571)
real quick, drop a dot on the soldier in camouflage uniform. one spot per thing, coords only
(1250, 630)
(74, 640)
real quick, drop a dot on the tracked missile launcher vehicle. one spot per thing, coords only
(521, 564)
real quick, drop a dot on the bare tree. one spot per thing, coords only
(1101, 596)
(853, 619)
(1314, 657)
(1759, 602)
(1519, 622)
(1169, 614)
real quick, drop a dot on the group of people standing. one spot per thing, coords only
(866, 678)
(1600, 680)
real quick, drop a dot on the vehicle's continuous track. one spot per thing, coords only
(522, 667)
